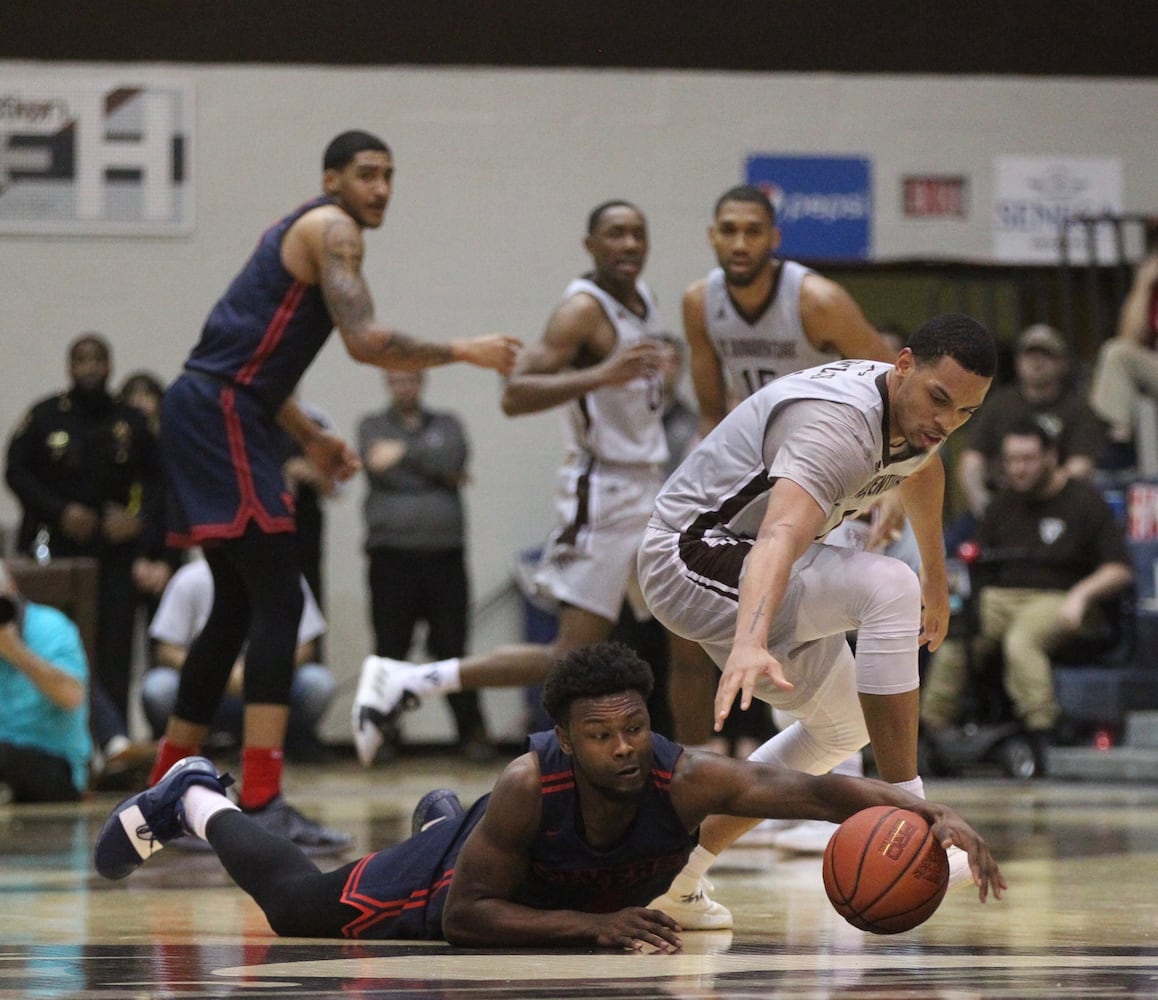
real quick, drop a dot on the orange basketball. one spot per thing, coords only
(883, 870)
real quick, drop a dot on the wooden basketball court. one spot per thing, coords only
(1080, 919)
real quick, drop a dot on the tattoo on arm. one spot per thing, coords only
(352, 309)
(343, 286)
(757, 615)
(400, 350)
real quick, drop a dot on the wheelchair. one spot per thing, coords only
(989, 734)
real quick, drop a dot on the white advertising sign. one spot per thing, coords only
(1034, 196)
(95, 156)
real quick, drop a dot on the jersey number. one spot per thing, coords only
(757, 378)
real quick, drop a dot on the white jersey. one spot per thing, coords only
(840, 456)
(754, 353)
(621, 424)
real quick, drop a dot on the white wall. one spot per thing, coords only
(496, 170)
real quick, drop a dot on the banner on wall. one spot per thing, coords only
(1034, 196)
(95, 156)
(823, 203)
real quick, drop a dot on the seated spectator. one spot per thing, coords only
(44, 739)
(182, 614)
(143, 391)
(1054, 556)
(1127, 365)
(1042, 390)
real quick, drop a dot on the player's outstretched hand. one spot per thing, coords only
(636, 926)
(491, 350)
(950, 829)
(745, 666)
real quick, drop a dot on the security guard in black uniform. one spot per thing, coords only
(87, 472)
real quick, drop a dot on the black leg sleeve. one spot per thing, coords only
(297, 898)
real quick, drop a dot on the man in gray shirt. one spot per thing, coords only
(415, 462)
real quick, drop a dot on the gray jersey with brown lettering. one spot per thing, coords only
(825, 428)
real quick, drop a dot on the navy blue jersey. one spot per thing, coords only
(401, 892)
(568, 874)
(266, 329)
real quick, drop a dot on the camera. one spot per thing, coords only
(8, 609)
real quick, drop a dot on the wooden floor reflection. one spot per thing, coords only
(1080, 919)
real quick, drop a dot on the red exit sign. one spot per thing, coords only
(935, 197)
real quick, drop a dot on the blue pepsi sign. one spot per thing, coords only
(823, 203)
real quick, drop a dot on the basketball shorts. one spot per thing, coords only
(590, 557)
(221, 450)
(400, 892)
(692, 588)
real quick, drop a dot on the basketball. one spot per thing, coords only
(883, 870)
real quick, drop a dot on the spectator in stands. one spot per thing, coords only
(1128, 365)
(143, 391)
(416, 465)
(44, 739)
(86, 471)
(1053, 557)
(1041, 390)
(181, 615)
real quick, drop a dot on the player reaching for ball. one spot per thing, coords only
(734, 559)
(574, 839)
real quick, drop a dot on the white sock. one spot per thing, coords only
(914, 786)
(201, 804)
(441, 677)
(688, 880)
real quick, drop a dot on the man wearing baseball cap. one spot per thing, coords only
(1041, 391)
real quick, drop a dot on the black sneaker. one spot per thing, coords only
(280, 818)
(433, 808)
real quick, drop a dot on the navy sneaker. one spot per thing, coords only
(433, 808)
(142, 824)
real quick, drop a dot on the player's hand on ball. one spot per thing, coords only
(951, 830)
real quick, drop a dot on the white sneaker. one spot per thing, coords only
(959, 871)
(765, 834)
(810, 837)
(381, 695)
(695, 912)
